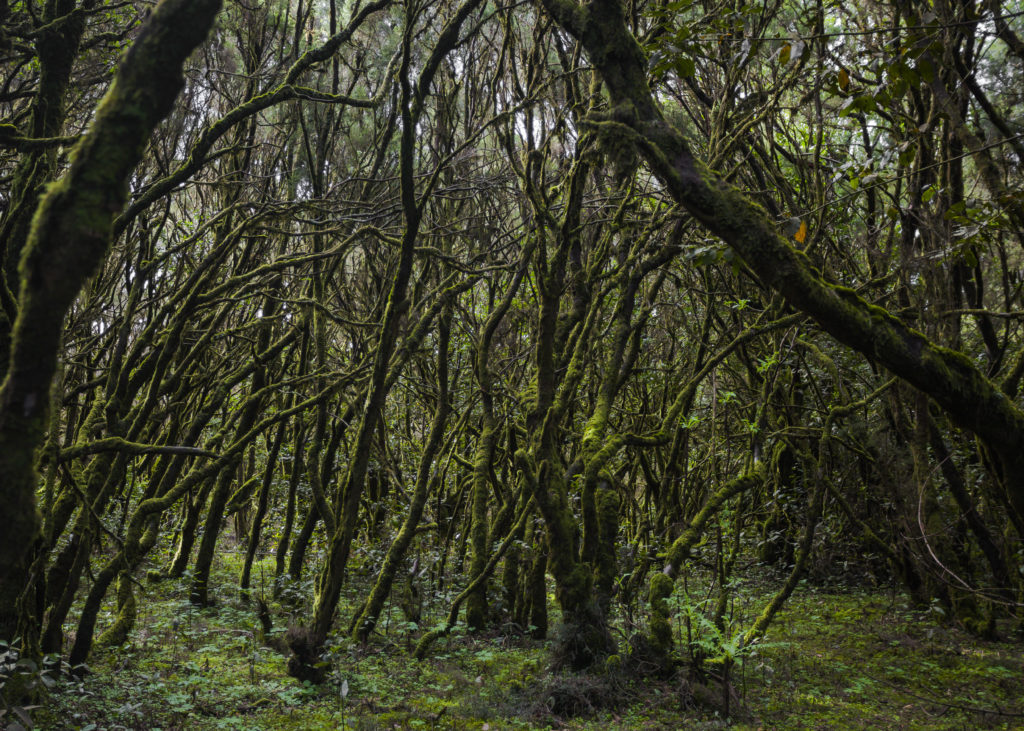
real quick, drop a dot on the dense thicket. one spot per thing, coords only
(473, 294)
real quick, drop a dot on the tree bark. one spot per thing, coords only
(947, 376)
(68, 240)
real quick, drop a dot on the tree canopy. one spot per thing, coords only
(483, 295)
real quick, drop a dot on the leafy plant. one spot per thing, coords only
(22, 678)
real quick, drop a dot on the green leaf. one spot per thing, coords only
(926, 70)
(862, 103)
(907, 154)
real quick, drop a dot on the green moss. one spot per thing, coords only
(606, 568)
(660, 625)
(117, 633)
(833, 660)
(476, 605)
(660, 588)
(67, 240)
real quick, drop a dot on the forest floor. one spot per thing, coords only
(835, 659)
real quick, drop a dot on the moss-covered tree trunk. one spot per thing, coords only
(483, 459)
(294, 474)
(535, 589)
(947, 376)
(199, 589)
(329, 584)
(583, 636)
(57, 45)
(69, 237)
(199, 593)
(367, 619)
(661, 584)
(192, 510)
(262, 505)
(307, 648)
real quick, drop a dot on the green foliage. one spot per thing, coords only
(406, 294)
(24, 684)
(832, 659)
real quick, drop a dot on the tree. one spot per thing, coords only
(454, 296)
(68, 238)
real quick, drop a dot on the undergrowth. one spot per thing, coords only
(841, 658)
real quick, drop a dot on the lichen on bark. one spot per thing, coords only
(947, 376)
(68, 239)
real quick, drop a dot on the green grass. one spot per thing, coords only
(832, 660)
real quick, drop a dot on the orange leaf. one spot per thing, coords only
(844, 79)
(801, 233)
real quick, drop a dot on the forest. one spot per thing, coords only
(486, 364)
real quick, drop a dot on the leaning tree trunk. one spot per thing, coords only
(307, 647)
(367, 618)
(68, 240)
(947, 376)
